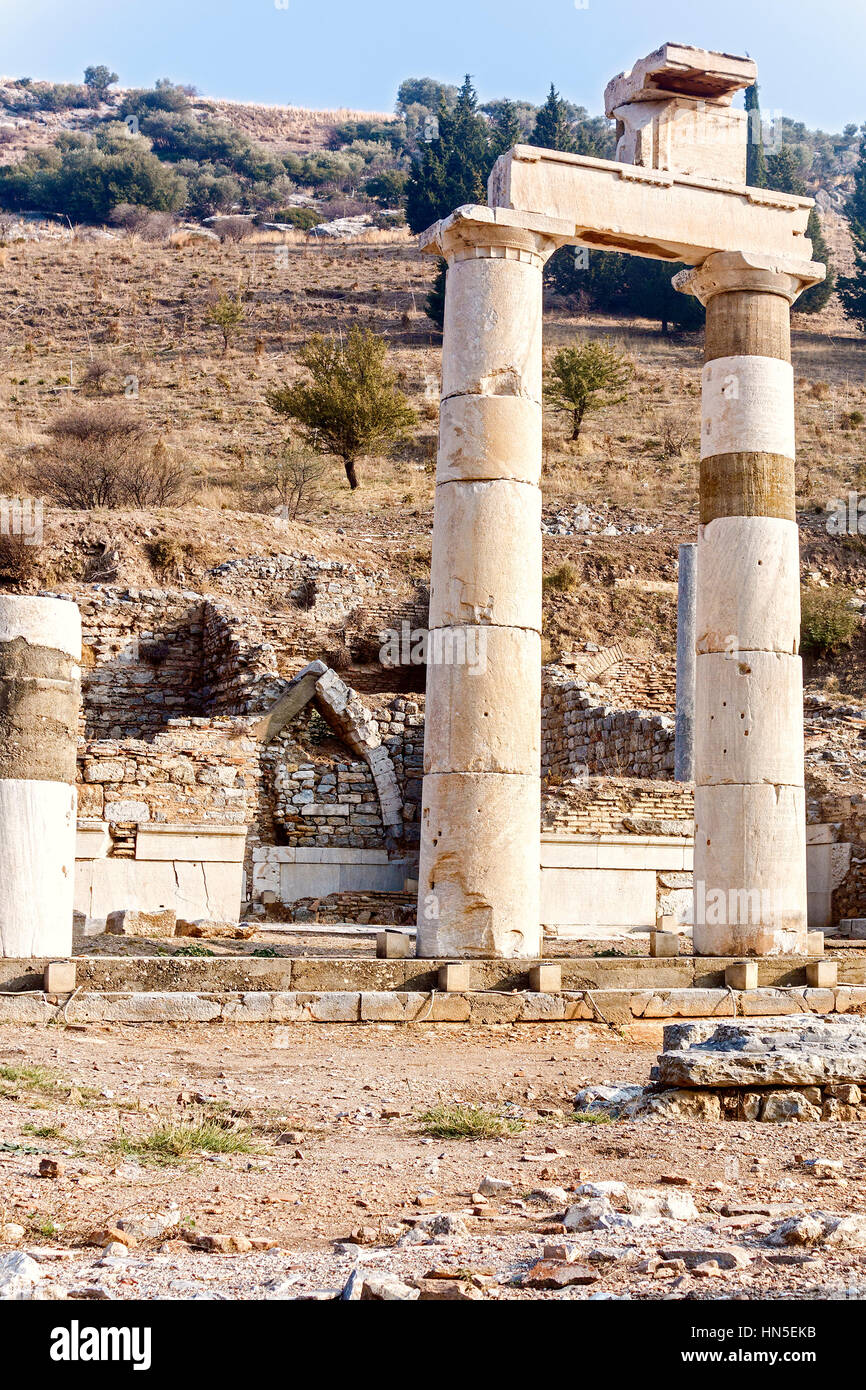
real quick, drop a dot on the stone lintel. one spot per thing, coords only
(678, 69)
(643, 211)
(729, 271)
(475, 226)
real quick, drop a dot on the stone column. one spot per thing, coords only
(40, 683)
(750, 833)
(684, 740)
(479, 870)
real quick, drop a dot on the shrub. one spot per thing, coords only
(103, 456)
(561, 580)
(302, 218)
(586, 377)
(827, 622)
(225, 314)
(350, 405)
(295, 475)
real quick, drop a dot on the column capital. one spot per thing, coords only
(739, 270)
(473, 232)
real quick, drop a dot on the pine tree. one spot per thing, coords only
(783, 174)
(506, 128)
(552, 125)
(756, 164)
(852, 288)
(454, 166)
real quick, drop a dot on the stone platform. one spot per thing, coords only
(291, 989)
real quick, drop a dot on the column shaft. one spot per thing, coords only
(40, 652)
(750, 858)
(684, 734)
(479, 871)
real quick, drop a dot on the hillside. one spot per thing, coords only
(106, 317)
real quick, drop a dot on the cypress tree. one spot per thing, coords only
(453, 167)
(783, 174)
(852, 288)
(552, 125)
(756, 164)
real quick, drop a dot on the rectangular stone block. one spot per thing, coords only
(455, 977)
(664, 943)
(822, 974)
(130, 922)
(742, 974)
(815, 943)
(59, 977)
(546, 977)
(393, 945)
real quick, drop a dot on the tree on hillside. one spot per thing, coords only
(98, 79)
(552, 124)
(350, 405)
(650, 294)
(453, 167)
(852, 288)
(784, 173)
(507, 130)
(587, 377)
(756, 167)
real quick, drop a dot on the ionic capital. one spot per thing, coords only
(738, 270)
(475, 232)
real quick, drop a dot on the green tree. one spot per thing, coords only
(453, 167)
(350, 405)
(552, 124)
(852, 288)
(650, 294)
(434, 306)
(784, 173)
(585, 378)
(506, 126)
(756, 165)
(226, 314)
(99, 78)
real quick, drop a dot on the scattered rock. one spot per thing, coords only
(555, 1274)
(19, 1275)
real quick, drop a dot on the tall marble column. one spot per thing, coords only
(40, 652)
(479, 871)
(684, 734)
(750, 850)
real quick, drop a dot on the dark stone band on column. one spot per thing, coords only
(747, 484)
(39, 701)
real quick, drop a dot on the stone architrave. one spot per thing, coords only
(40, 687)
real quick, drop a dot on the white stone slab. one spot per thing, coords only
(747, 405)
(37, 867)
(199, 844)
(621, 899)
(748, 591)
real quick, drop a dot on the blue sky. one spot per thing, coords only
(329, 53)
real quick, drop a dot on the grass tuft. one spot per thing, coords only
(467, 1122)
(170, 1142)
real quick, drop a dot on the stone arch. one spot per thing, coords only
(351, 721)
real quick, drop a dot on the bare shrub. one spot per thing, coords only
(295, 476)
(142, 222)
(18, 560)
(232, 228)
(104, 457)
(676, 432)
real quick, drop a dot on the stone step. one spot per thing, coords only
(616, 1007)
(243, 972)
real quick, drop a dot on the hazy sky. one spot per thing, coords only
(329, 53)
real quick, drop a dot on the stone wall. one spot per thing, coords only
(611, 805)
(195, 771)
(142, 660)
(579, 734)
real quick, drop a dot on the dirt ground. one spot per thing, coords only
(335, 1166)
